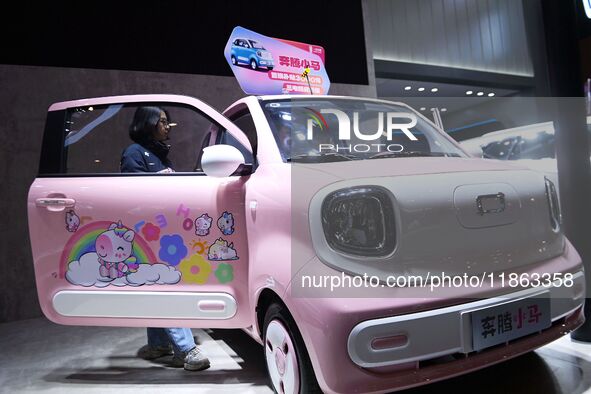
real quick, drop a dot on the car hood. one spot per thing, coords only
(406, 166)
(439, 225)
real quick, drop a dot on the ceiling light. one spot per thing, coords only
(480, 94)
(421, 89)
(407, 87)
(469, 92)
(423, 109)
(434, 90)
(443, 109)
(491, 95)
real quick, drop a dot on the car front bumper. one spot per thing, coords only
(265, 62)
(411, 337)
(340, 333)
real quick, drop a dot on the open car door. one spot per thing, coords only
(136, 249)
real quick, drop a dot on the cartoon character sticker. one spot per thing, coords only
(221, 250)
(114, 248)
(226, 223)
(202, 225)
(107, 253)
(72, 221)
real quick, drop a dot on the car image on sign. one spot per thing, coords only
(252, 53)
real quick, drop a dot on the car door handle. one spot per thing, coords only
(55, 202)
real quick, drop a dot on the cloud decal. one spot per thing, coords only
(85, 272)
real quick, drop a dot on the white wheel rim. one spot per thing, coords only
(253, 65)
(281, 359)
(233, 60)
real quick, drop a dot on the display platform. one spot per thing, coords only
(39, 356)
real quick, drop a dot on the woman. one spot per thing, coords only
(149, 153)
(149, 130)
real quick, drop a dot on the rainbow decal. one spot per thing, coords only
(318, 118)
(83, 240)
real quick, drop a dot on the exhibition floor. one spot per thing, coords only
(39, 356)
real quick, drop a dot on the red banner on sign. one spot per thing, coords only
(315, 49)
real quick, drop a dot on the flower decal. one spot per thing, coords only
(172, 249)
(224, 273)
(151, 232)
(195, 269)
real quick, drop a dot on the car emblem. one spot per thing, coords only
(490, 203)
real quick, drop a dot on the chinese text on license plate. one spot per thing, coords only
(502, 323)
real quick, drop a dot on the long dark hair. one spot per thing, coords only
(145, 121)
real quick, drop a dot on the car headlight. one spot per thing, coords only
(259, 54)
(554, 205)
(359, 221)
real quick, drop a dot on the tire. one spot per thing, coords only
(287, 360)
(253, 64)
(269, 68)
(234, 60)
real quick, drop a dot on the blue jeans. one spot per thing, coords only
(181, 339)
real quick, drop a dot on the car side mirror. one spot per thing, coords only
(221, 160)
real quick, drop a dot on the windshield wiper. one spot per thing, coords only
(412, 153)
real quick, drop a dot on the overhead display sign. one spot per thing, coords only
(265, 65)
(587, 5)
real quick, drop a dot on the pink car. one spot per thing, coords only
(360, 264)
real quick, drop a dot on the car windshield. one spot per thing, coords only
(318, 130)
(255, 45)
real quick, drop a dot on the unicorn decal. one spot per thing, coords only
(114, 248)
(221, 250)
(226, 223)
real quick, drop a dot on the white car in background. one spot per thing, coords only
(532, 145)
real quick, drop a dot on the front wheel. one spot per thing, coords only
(233, 60)
(287, 360)
(253, 64)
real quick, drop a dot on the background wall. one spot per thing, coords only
(476, 34)
(182, 36)
(26, 93)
